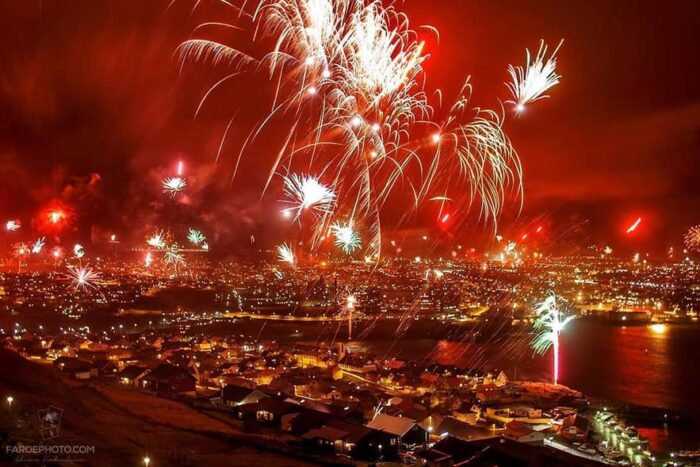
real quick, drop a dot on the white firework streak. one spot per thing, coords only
(350, 75)
(174, 185)
(195, 237)
(38, 246)
(286, 254)
(83, 277)
(530, 83)
(306, 192)
(549, 323)
(345, 237)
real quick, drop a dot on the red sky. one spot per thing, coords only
(91, 86)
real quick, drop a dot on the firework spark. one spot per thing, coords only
(530, 83)
(548, 325)
(692, 238)
(83, 278)
(157, 240)
(174, 185)
(345, 237)
(306, 192)
(286, 254)
(12, 225)
(148, 260)
(195, 237)
(38, 246)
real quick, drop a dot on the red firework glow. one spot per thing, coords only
(54, 217)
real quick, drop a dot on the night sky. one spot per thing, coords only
(95, 111)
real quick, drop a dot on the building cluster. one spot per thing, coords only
(329, 402)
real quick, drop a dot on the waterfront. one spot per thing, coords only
(648, 365)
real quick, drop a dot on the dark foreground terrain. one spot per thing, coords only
(121, 434)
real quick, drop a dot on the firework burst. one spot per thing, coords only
(83, 278)
(78, 250)
(196, 237)
(57, 253)
(350, 77)
(12, 225)
(692, 238)
(286, 254)
(174, 185)
(174, 258)
(530, 83)
(307, 193)
(157, 240)
(345, 237)
(20, 250)
(549, 323)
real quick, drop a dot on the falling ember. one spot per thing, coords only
(174, 185)
(539, 229)
(548, 325)
(634, 226)
(148, 260)
(12, 225)
(445, 218)
(83, 277)
(285, 254)
(180, 166)
(530, 83)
